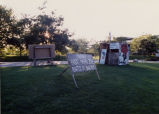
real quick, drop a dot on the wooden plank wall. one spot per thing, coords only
(113, 58)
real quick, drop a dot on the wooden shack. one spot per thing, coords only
(114, 53)
(41, 52)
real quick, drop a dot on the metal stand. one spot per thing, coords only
(97, 74)
(34, 61)
(63, 71)
(73, 76)
(74, 80)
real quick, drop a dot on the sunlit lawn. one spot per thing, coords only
(122, 89)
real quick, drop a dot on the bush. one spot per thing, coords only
(147, 58)
(14, 58)
(25, 58)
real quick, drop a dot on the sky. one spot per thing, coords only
(94, 19)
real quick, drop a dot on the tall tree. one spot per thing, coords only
(45, 29)
(22, 27)
(6, 25)
(41, 29)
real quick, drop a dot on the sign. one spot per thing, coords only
(114, 46)
(81, 63)
(41, 52)
(103, 56)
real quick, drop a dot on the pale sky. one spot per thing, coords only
(94, 19)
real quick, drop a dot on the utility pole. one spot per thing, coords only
(109, 37)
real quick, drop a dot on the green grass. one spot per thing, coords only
(131, 89)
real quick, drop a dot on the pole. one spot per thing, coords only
(109, 37)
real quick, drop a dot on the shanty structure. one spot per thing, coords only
(114, 53)
(37, 52)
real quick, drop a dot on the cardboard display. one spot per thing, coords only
(80, 63)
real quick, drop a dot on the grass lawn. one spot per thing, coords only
(122, 90)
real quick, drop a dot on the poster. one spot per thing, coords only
(123, 55)
(103, 56)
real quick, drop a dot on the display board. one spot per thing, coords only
(81, 63)
(41, 52)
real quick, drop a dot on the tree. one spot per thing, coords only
(11, 30)
(41, 29)
(147, 47)
(94, 49)
(8, 29)
(21, 29)
(6, 25)
(122, 39)
(79, 45)
(74, 45)
(45, 29)
(155, 39)
(135, 43)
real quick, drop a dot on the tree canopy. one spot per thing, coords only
(41, 29)
(6, 25)
(122, 39)
(146, 44)
(45, 29)
(79, 45)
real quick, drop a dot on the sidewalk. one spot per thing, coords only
(40, 63)
(142, 61)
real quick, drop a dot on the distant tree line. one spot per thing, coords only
(47, 29)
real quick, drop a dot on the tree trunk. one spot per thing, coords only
(20, 51)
